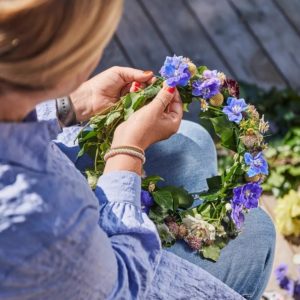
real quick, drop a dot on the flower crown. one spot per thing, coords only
(208, 226)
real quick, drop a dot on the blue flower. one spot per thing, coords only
(234, 109)
(176, 71)
(146, 201)
(207, 88)
(258, 164)
(247, 195)
(237, 215)
(281, 271)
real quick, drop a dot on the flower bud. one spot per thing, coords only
(217, 100)
(194, 242)
(182, 231)
(173, 227)
(228, 207)
(255, 178)
(151, 187)
(192, 69)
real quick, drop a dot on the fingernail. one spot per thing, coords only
(135, 89)
(148, 72)
(137, 84)
(170, 89)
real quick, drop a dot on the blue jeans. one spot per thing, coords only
(187, 159)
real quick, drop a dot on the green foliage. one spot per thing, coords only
(284, 161)
(281, 107)
(211, 252)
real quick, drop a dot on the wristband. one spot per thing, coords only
(65, 112)
(113, 152)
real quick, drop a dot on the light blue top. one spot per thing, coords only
(59, 240)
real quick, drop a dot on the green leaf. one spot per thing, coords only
(114, 115)
(214, 184)
(181, 197)
(201, 69)
(86, 135)
(294, 171)
(225, 130)
(186, 107)
(164, 199)
(211, 252)
(151, 179)
(127, 101)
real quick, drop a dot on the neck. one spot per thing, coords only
(15, 106)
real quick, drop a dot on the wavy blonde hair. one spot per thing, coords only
(43, 41)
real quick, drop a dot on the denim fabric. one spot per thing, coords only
(187, 159)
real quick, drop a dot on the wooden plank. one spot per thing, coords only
(275, 34)
(182, 33)
(139, 38)
(237, 45)
(291, 10)
(112, 56)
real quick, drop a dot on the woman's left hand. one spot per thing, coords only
(106, 88)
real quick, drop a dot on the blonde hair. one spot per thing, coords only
(43, 41)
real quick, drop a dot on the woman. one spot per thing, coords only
(59, 240)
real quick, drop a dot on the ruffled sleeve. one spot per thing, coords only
(133, 236)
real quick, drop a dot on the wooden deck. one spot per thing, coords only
(253, 41)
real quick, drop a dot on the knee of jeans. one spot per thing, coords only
(263, 236)
(202, 138)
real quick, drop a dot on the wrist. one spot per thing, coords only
(123, 162)
(80, 99)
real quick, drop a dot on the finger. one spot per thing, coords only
(136, 86)
(176, 110)
(130, 74)
(163, 98)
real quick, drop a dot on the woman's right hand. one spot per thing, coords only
(154, 122)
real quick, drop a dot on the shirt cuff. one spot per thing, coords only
(120, 186)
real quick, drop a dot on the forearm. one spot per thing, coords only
(133, 235)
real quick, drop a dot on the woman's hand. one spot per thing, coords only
(103, 90)
(152, 123)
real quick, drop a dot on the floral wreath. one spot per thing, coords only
(209, 225)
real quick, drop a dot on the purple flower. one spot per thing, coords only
(283, 280)
(176, 71)
(281, 271)
(208, 74)
(258, 164)
(234, 109)
(247, 195)
(297, 288)
(207, 88)
(146, 201)
(237, 214)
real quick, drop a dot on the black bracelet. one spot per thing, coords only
(65, 112)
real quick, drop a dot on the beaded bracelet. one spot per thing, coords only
(116, 151)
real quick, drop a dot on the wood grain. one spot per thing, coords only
(236, 43)
(275, 34)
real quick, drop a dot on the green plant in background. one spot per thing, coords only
(281, 107)
(284, 160)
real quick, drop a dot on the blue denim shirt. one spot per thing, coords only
(59, 240)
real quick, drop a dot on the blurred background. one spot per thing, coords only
(256, 42)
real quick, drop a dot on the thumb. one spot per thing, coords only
(163, 98)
